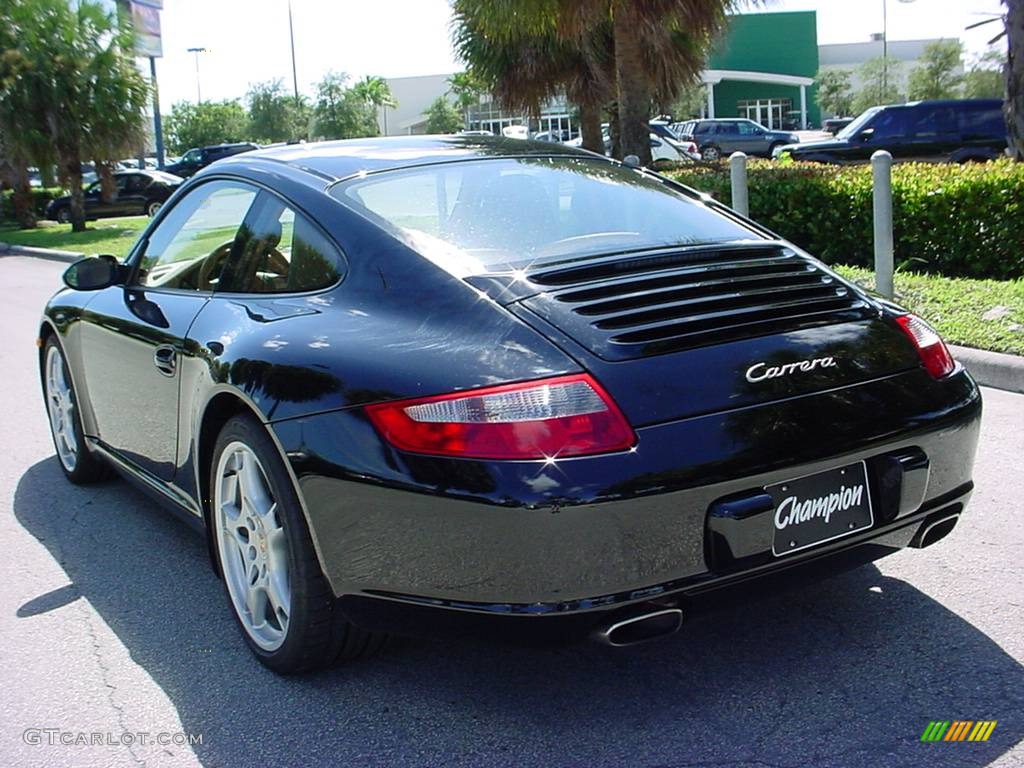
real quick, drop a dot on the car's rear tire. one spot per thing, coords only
(275, 587)
(711, 153)
(64, 216)
(79, 464)
(152, 208)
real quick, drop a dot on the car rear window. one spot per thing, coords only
(477, 216)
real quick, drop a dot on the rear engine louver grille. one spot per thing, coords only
(635, 306)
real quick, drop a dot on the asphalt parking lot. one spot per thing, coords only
(111, 622)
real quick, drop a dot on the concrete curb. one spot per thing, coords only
(992, 369)
(6, 249)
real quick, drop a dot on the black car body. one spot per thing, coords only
(136, 193)
(948, 131)
(721, 137)
(402, 363)
(198, 158)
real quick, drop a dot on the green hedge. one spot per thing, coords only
(955, 220)
(41, 196)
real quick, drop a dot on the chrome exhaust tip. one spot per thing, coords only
(641, 628)
(935, 530)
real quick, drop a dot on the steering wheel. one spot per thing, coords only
(277, 263)
(213, 263)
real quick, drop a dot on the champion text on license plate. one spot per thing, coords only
(818, 508)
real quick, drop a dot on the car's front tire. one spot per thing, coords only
(276, 589)
(64, 216)
(78, 463)
(152, 208)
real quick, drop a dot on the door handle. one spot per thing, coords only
(165, 358)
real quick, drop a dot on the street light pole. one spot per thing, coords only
(291, 34)
(196, 52)
(885, 51)
(885, 48)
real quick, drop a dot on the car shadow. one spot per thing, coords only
(845, 672)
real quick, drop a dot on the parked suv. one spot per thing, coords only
(200, 157)
(952, 130)
(720, 138)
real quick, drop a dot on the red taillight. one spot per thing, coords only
(936, 358)
(550, 418)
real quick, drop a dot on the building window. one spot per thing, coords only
(772, 113)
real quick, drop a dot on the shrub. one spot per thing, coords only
(955, 220)
(41, 196)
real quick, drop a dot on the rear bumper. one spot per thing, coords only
(599, 533)
(407, 615)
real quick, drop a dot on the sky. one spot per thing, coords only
(247, 40)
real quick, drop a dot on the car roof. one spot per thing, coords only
(335, 160)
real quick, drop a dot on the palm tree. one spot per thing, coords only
(521, 55)
(376, 92)
(78, 86)
(467, 88)
(660, 47)
(26, 141)
(119, 94)
(626, 55)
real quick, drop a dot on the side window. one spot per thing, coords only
(191, 245)
(889, 124)
(134, 182)
(283, 253)
(747, 129)
(725, 129)
(938, 120)
(982, 123)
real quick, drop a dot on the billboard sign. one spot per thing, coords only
(146, 23)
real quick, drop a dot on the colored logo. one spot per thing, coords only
(959, 730)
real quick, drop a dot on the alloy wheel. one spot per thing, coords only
(61, 407)
(253, 546)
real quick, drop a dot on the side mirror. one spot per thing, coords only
(866, 134)
(94, 273)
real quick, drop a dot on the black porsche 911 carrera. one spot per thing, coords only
(430, 383)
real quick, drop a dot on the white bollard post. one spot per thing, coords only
(881, 173)
(738, 180)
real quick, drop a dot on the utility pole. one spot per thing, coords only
(885, 51)
(291, 34)
(158, 130)
(199, 93)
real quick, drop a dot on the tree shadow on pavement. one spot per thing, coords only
(846, 672)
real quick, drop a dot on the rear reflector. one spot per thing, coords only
(936, 358)
(546, 419)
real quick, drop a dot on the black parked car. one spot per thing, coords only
(953, 131)
(721, 137)
(138, 192)
(416, 382)
(198, 158)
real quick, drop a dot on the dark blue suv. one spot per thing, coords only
(948, 131)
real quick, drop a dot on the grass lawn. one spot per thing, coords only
(113, 236)
(955, 307)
